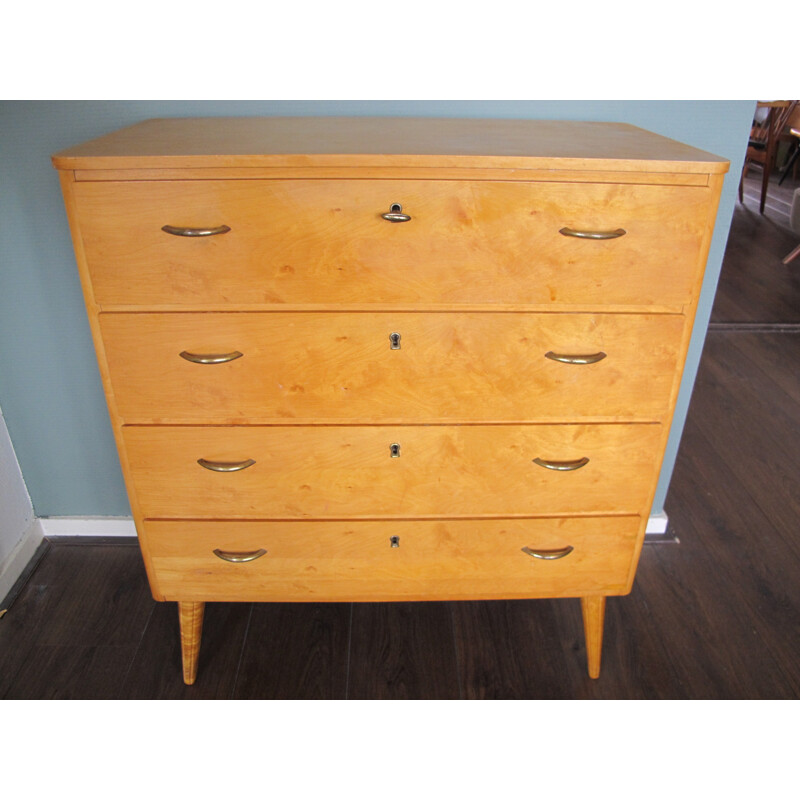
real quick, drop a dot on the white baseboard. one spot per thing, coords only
(14, 565)
(657, 523)
(54, 527)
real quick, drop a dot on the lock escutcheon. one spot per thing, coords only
(395, 214)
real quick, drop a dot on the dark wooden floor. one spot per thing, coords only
(716, 615)
(755, 288)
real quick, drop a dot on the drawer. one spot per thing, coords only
(331, 366)
(392, 471)
(433, 560)
(326, 242)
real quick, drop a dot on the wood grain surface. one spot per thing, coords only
(386, 141)
(190, 615)
(355, 561)
(325, 242)
(313, 367)
(348, 471)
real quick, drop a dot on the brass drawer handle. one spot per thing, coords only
(592, 358)
(548, 555)
(215, 358)
(239, 558)
(395, 214)
(561, 466)
(225, 466)
(593, 234)
(181, 231)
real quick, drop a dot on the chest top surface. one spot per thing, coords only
(386, 142)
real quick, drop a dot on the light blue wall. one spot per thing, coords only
(50, 388)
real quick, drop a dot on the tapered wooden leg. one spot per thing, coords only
(191, 620)
(594, 611)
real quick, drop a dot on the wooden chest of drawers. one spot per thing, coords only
(390, 359)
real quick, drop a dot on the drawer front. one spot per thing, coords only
(443, 559)
(329, 366)
(385, 471)
(323, 242)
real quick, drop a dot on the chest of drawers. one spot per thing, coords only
(389, 359)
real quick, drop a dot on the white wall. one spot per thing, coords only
(20, 533)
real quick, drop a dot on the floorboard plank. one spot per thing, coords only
(402, 651)
(515, 650)
(79, 597)
(733, 558)
(754, 286)
(744, 420)
(295, 651)
(63, 672)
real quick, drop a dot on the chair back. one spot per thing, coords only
(770, 120)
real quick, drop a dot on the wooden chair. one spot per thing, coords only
(794, 224)
(791, 134)
(771, 118)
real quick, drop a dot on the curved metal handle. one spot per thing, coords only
(395, 214)
(561, 466)
(549, 555)
(209, 358)
(592, 358)
(225, 466)
(593, 234)
(239, 558)
(181, 231)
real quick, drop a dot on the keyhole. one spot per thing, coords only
(394, 541)
(394, 341)
(394, 450)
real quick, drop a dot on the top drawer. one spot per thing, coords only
(323, 242)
